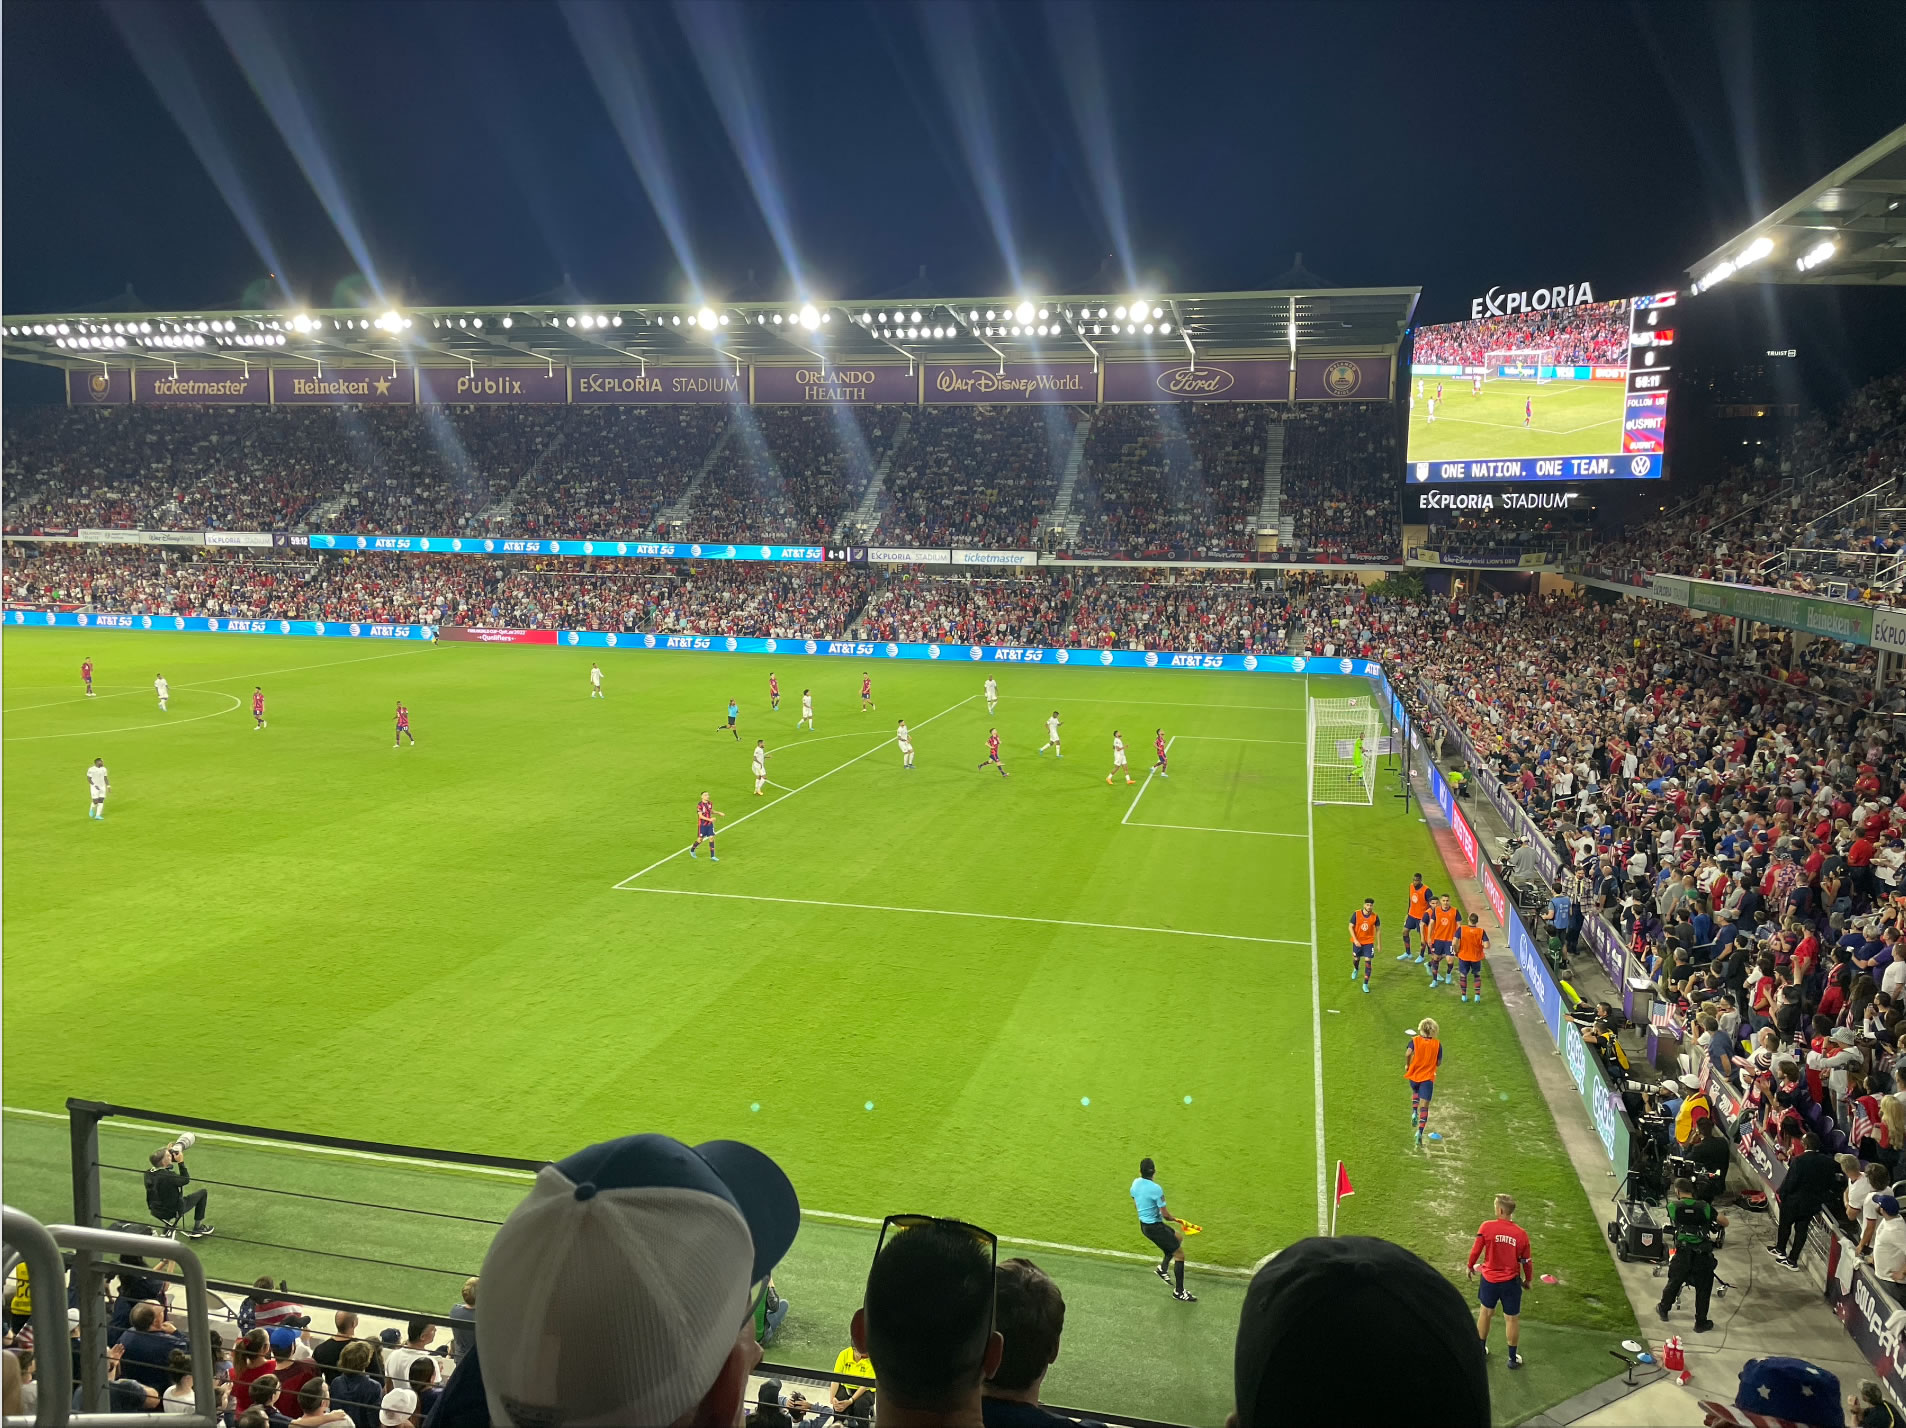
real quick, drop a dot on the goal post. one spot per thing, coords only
(1343, 737)
(1519, 364)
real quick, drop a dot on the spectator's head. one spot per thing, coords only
(1790, 1389)
(264, 1389)
(469, 1291)
(314, 1397)
(284, 1341)
(1307, 1301)
(262, 1287)
(398, 1409)
(620, 1289)
(347, 1324)
(927, 1318)
(145, 1316)
(354, 1357)
(422, 1373)
(253, 1417)
(1030, 1314)
(178, 1363)
(420, 1332)
(1887, 1204)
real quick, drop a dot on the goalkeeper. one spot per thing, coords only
(1155, 1223)
(1356, 757)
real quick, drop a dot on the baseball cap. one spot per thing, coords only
(396, 1407)
(283, 1339)
(616, 1290)
(1888, 1203)
(1792, 1389)
(1308, 1300)
(1845, 1036)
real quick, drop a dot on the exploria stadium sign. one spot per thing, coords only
(1499, 303)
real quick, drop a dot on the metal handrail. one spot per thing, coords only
(46, 1283)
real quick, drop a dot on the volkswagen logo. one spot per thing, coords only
(1639, 466)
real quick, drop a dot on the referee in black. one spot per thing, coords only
(1154, 1222)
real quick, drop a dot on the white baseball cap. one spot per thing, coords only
(397, 1406)
(616, 1290)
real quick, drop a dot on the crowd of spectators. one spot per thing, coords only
(1590, 334)
(1012, 610)
(613, 471)
(975, 477)
(1201, 612)
(1339, 487)
(1173, 481)
(789, 473)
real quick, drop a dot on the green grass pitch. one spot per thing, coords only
(449, 945)
(1570, 419)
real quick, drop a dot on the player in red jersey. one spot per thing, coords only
(403, 726)
(1158, 743)
(257, 707)
(867, 692)
(992, 752)
(1528, 410)
(1418, 916)
(86, 673)
(1507, 1269)
(774, 693)
(705, 816)
(1439, 391)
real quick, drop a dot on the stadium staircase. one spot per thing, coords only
(872, 508)
(1063, 517)
(1270, 514)
(498, 511)
(676, 514)
(323, 516)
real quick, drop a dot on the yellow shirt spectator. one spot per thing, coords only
(851, 1361)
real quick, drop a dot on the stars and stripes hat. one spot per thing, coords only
(614, 1293)
(1780, 1391)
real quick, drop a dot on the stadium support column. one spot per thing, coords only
(1879, 671)
(83, 1136)
(1740, 628)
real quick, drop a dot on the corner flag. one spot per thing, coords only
(1344, 1190)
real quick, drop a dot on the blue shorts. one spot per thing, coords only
(1413, 922)
(1506, 1296)
(1358, 950)
(704, 830)
(1440, 949)
(1422, 1090)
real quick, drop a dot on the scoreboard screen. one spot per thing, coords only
(1567, 394)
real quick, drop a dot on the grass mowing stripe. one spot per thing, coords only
(1316, 985)
(954, 912)
(622, 886)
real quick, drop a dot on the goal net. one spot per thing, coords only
(1519, 364)
(1343, 737)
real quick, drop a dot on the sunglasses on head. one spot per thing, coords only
(897, 1225)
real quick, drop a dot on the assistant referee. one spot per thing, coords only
(1155, 1223)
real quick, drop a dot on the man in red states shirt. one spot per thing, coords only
(1502, 1246)
(1859, 862)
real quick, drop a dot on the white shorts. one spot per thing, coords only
(907, 749)
(1118, 761)
(760, 772)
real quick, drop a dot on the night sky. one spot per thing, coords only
(490, 153)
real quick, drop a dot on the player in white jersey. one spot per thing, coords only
(1052, 736)
(1419, 386)
(1475, 386)
(905, 740)
(1432, 409)
(98, 784)
(164, 690)
(595, 682)
(760, 766)
(807, 710)
(1118, 759)
(992, 695)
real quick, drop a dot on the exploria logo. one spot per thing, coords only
(1342, 378)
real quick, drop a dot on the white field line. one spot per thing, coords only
(1147, 784)
(1229, 739)
(130, 728)
(1196, 828)
(955, 912)
(1316, 985)
(786, 796)
(504, 1173)
(203, 683)
(1164, 703)
(1533, 427)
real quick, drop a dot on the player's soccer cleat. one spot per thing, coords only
(1128, 778)
(1419, 958)
(1184, 1295)
(1354, 974)
(1366, 987)
(1162, 1272)
(692, 853)
(1516, 1362)
(1402, 956)
(713, 859)
(1108, 779)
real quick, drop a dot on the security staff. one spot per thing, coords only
(1693, 1223)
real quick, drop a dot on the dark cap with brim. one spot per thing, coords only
(1334, 1300)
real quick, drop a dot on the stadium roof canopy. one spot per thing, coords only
(1849, 228)
(1173, 326)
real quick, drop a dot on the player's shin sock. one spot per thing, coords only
(1178, 1274)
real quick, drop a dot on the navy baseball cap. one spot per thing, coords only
(1792, 1389)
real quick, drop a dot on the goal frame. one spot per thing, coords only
(1531, 357)
(1331, 729)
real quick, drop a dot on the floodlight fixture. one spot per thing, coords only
(1023, 314)
(810, 316)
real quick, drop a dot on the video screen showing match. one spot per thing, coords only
(1565, 394)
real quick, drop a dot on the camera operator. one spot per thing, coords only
(165, 1189)
(1693, 1223)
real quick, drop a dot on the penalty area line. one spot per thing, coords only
(1147, 784)
(1198, 828)
(955, 912)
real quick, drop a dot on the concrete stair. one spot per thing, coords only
(1270, 511)
(865, 521)
(676, 512)
(1063, 516)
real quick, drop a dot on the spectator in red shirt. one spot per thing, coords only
(1859, 861)
(1503, 1247)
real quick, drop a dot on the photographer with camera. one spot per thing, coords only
(166, 1199)
(1694, 1223)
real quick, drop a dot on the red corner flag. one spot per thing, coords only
(1344, 1188)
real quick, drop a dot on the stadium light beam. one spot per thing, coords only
(954, 50)
(1075, 39)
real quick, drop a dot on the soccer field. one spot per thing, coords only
(934, 990)
(1570, 419)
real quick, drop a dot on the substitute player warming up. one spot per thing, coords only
(1421, 1058)
(1118, 759)
(705, 816)
(1503, 1247)
(1469, 944)
(1445, 923)
(1418, 918)
(1155, 1223)
(1365, 935)
(992, 752)
(403, 727)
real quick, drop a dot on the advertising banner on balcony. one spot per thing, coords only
(1343, 379)
(1835, 619)
(1014, 384)
(846, 384)
(634, 386)
(233, 386)
(98, 387)
(1187, 381)
(459, 386)
(369, 386)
